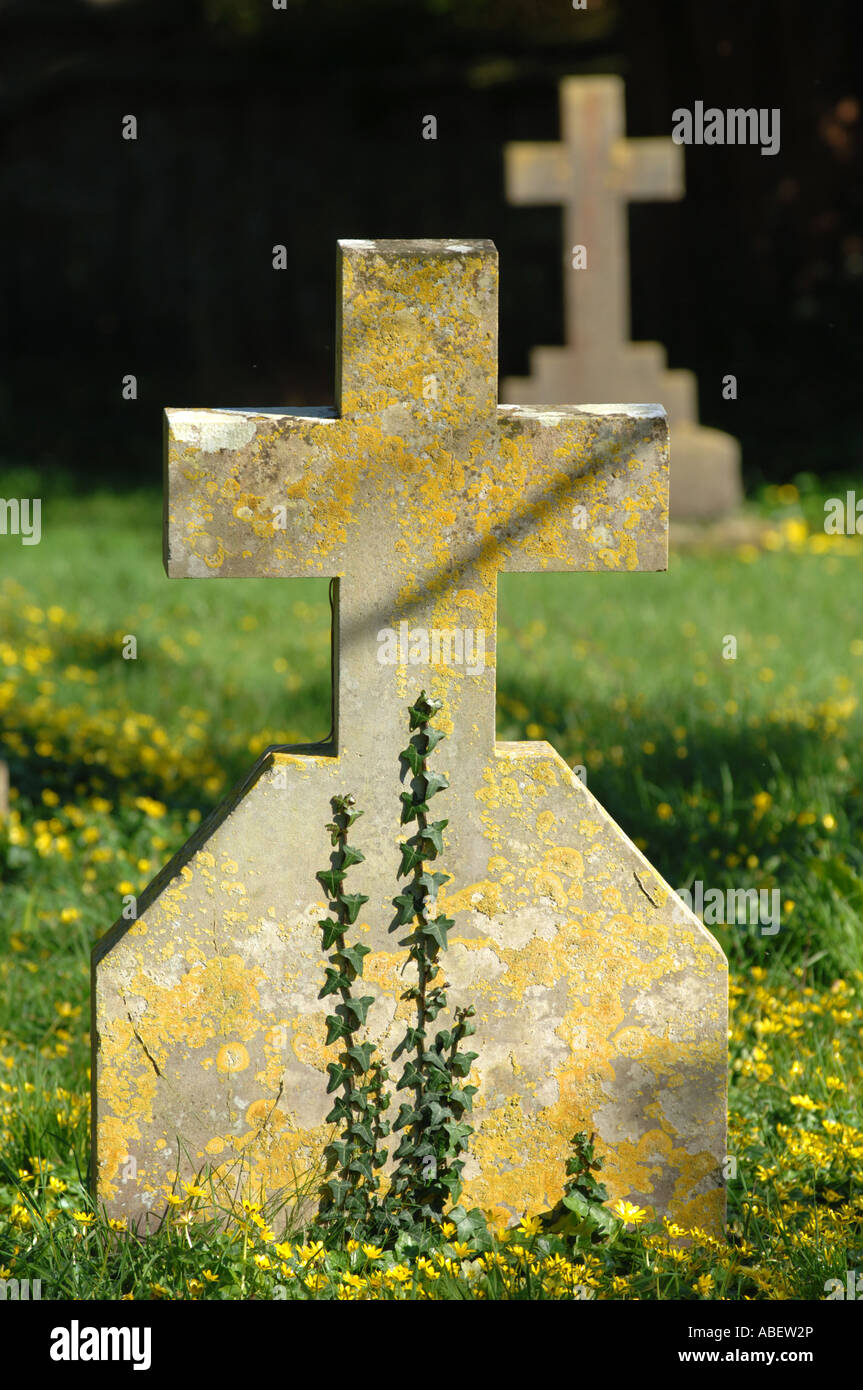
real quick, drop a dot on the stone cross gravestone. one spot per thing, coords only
(594, 173)
(601, 1000)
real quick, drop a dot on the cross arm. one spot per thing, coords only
(537, 173)
(590, 488)
(648, 169)
(250, 493)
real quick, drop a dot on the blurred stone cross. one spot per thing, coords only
(594, 173)
(601, 1000)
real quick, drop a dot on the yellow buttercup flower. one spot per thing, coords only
(629, 1213)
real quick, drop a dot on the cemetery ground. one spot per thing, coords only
(738, 773)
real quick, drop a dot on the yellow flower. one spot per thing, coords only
(704, 1285)
(804, 1103)
(116, 1224)
(629, 1213)
(210, 1277)
(69, 914)
(530, 1226)
(85, 1218)
(664, 811)
(195, 1286)
(374, 1252)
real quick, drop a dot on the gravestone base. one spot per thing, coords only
(601, 1001)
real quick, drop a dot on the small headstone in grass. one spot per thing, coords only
(594, 173)
(601, 1002)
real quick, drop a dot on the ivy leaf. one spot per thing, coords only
(434, 834)
(361, 1163)
(406, 1116)
(435, 782)
(337, 1075)
(462, 1061)
(362, 1131)
(330, 879)
(434, 736)
(351, 856)
(335, 980)
(438, 1113)
(434, 1059)
(433, 882)
(437, 929)
(339, 1149)
(352, 902)
(331, 929)
(361, 1053)
(340, 1111)
(423, 710)
(413, 757)
(410, 807)
(405, 905)
(354, 956)
(336, 1028)
(339, 1190)
(359, 1008)
(411, 856)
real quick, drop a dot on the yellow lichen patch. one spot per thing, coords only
(309, 1048)
(485, 897)
(232, 1057)
(117, 1140)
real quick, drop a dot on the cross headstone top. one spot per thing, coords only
(594, 172)
(452, 490)
(601, 1001)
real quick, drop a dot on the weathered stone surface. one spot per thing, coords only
(593, 173)
(601, 1001)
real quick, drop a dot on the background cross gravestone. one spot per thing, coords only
(601, 1001)
(593, 173)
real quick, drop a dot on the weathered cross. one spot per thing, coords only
(594, 173)
(601, 1002)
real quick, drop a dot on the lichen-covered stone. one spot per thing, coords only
(601, 1001)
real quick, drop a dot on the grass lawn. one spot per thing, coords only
(741, 773)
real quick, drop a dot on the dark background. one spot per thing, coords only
(258, 127)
